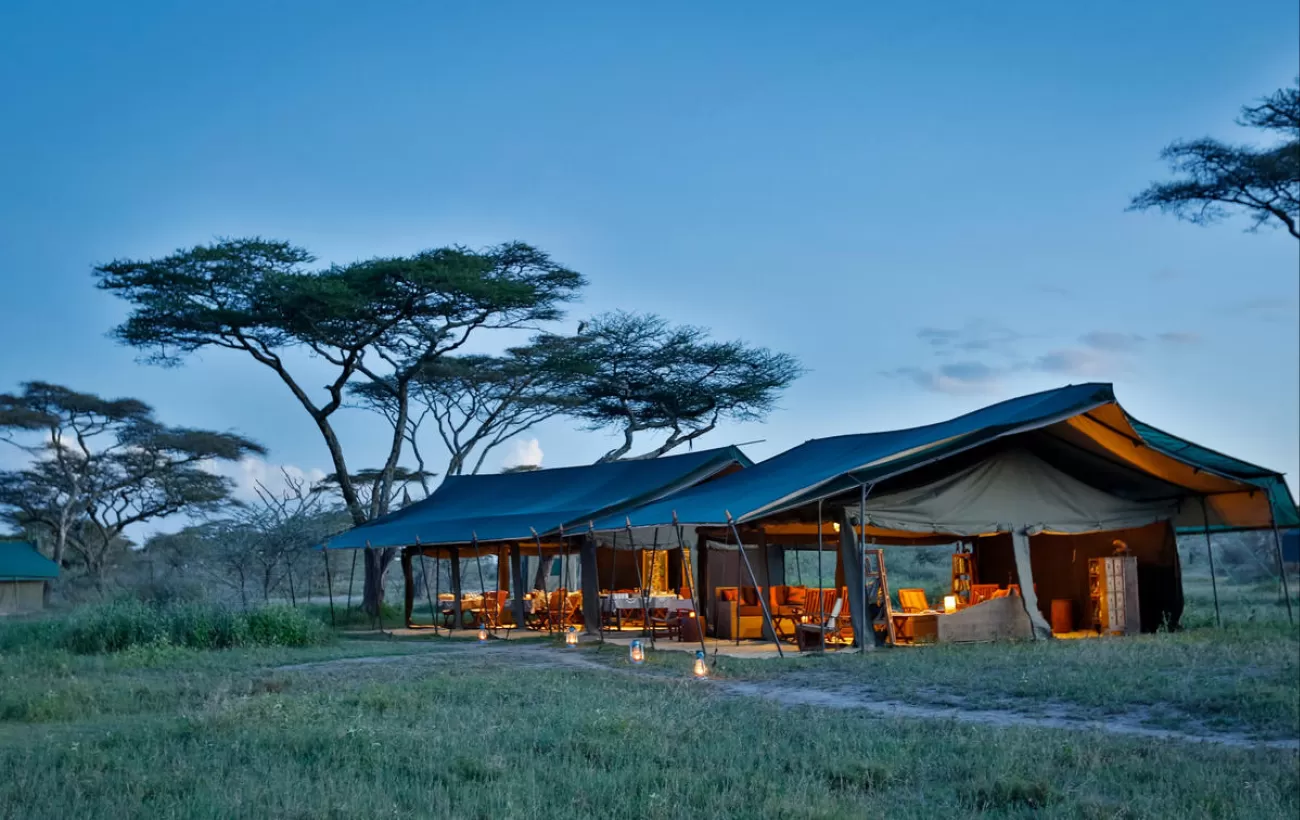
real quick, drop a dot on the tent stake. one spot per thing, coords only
(1209, 549)
(329, 584)
(1281, 568)
(767, 616)
(688, 570)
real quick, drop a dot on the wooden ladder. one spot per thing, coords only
(879, 605)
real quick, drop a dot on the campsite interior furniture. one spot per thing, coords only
(690, 627)
(916, 627)
(1062, 616)
(912, 601)
(810, 635)
(963, 576)
(979, 593)
(880, 604)
(739, 614)
(1113, 595)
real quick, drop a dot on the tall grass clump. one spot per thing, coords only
(124, 624)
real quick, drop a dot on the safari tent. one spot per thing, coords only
(539, 514)
(1032, 488)
(24, 572)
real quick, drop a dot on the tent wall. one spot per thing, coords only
(21, 596)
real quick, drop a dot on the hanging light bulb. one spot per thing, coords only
(700, 669)
(636, 653)
(482, 633)
(571, 637)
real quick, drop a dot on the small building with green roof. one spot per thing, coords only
(24, 572)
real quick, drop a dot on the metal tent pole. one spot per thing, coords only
(424, 574)
(640, 580)
(437, 587)
(541, 562)
(821, 592)
(329, 585)
(767, 615)
(352, 576)
(696, 600)
(859, 541)
(613, 564)
(1209, 548)
(482, 584)
(1281, 568)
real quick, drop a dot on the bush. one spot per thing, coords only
(124, 624)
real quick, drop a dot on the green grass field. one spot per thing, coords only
(421, 727)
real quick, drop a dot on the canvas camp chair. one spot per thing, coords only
(912, 601)
(980, 593)
(809, 636)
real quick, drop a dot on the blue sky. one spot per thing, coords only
(926, 205)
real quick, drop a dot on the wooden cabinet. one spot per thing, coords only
(1113, 595)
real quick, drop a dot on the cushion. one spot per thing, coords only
(727, 594)
(748, 609)
(796, 596)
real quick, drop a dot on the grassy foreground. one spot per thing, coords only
(456, 731)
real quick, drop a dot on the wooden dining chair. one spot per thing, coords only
(912, 600)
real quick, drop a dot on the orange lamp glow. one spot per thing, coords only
(636, 653)
(700, 669)
(949, 604)
(571, 637)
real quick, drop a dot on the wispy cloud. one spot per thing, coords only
(1179, 337)
(1112, 341)
(977, 335)
(523, 453)
(1264, 309)
(1077, 362)
(251, 472)
(957, 378)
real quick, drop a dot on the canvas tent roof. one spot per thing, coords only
(20, 561)
(1081, 426)
(509, 506)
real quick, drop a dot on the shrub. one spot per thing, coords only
(121, 625)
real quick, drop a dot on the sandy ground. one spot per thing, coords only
(859, 697)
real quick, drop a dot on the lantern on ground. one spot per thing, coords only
(482, 633)
(571, 637)
(636, 653)
(949, 604)
(700, 669)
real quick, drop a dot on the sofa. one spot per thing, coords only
(737, 613)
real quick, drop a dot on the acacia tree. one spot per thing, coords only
(647, 376)
(1218, 178)
(477, 403)
(99, 466)
(379, 320)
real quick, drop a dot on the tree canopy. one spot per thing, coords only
(1217, 178)
(644, 375)
(380, 321)
(98, 466)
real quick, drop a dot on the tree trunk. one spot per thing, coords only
(377, 562)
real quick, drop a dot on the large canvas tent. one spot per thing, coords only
(498, 512)
(1066, 462)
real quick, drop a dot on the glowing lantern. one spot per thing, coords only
(835, 525)
(700, 670)
(636, 653)
(482, 633)
(571, 637)
(949, 604)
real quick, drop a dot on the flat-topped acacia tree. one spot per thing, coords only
(379, 321)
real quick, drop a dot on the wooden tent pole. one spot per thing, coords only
(688, 572)
(329, 585)
(859, 542)
(649, 585)
(762, 602)
(1281, 568)
(1209, 548)
(563, 588)
(613, 564)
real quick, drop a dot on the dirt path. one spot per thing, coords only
(858, 698)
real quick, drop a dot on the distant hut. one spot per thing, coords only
(24, 572)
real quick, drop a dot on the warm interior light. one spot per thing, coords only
(571, 637)
(636, 654)
(950, 604)
(700, 669)
(836, 525)
(482, 633)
